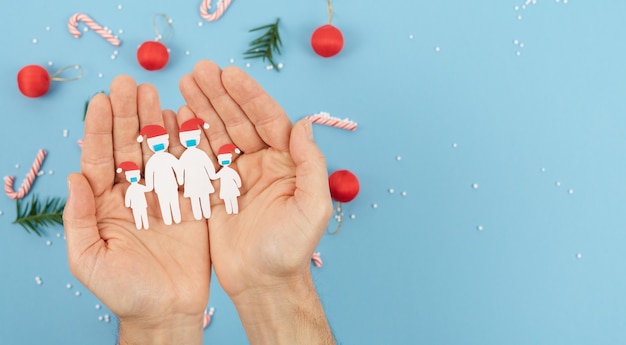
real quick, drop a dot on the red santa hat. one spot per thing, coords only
(193, 124)
(127, 166)
(228, 148)
(151, 131)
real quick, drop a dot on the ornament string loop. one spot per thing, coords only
(339, 218)
(168, 33)
(55, 75)
(330, 12)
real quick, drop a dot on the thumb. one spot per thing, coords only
(81, 230)
(312, 192)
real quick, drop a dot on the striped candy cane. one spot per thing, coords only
(72, 26)
(222, 6)
(324, 118)
(206, 320)
(317, 259)
(28, 182)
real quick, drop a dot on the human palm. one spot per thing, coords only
(284, 204)
(138, 274)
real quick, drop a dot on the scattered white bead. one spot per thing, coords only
(17, 166)
(403, 193)
(353, 216)
(77, 293)
(519, 17)
(543, 170)
(398, 158)
(248, 65)
(100, 75)
(107, 318)
(455, 145)
(280, 65)
(437, 49)
(269, 67)
(120, 31)
(119, 7)
(40, 173)
(187, 52)
(558, 184)
(475, 185)
(50, 172)
(391, 191)
(100, 318)
(65, 133)
(170, 20)
(232, 60)
(48, 243)
(516, 42)
(200, 24)
(85, 29)
(571, 191)
(115, 52)
(1, 213)
(38, 280)
(411, 36)
(480, 228)
(518, 53)
(48, 28)
(98, 306)
(579, 256)
(35, 41)
(68, 285)
(113, 57)
(374, 205)
(50, 63)
(58, 235)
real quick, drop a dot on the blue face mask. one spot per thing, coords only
(159, 147)
(225, 162)
(134, 179)
(191, 143)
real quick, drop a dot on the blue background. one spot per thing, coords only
(525, 101)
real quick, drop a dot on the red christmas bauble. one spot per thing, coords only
(152, 55)
(33, 81)
(327, 41)
(344, 186)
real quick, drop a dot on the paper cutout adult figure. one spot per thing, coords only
(163, 172)
(198, 170)
(135, 197)
(230, 182)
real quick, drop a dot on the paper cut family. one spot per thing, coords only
(194, 171)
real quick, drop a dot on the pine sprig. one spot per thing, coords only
(36, 215)
(266, 45)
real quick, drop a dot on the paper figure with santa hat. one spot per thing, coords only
(230, 182)
(135, 197)
(163, 172)
(198, 169)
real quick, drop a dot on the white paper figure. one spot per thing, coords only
(230, 182)
(197, 167)
(135, 194)
(163, 172)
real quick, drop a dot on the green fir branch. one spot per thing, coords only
(266, 45)
(36, 215)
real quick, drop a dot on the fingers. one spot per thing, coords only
(171, 126)
(312, 193)
(200, 105)
(207, 76)
(96, 160)
(149, 110)
(125, 121)
(81, 231)
(271, 123)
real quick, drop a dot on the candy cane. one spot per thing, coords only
(317, 259)
(206, 320)
(28, 182)
(324, 118)
(222, 6)
(72, 26)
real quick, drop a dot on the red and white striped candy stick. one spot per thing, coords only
(28, 182)
(206, 320)
(222, 6)
(72, 26)
(324, 118)
(317, 259)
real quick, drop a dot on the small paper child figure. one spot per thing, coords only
(197, 167)
(135, 194)
(163, 172)
(230, 182)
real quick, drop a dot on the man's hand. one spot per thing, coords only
(155, 281)
(262, 255)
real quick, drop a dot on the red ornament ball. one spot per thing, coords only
(33, 81)
(152, 55)
(327, 41)
(344, 186)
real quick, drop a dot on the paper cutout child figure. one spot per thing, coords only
(163, 172)
(230, 182)
(135, 194)
(197, 167)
